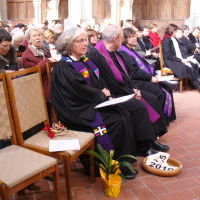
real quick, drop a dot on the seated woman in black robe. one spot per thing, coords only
(160, 89)
(178, 58)
(77, 87)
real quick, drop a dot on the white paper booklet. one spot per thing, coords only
(64, 145)
(165, 78)
(115, 101)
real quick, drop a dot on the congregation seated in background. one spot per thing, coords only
(179, 59)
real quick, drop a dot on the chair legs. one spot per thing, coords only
(3, 192)
(67, 172)
(92, 164)
(57, 184)
(181, 86)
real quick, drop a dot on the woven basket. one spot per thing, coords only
(158, 172)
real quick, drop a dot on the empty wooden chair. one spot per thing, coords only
(20, 167)
(29, 109)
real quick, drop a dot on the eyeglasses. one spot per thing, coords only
(81, 40)
(5, 46)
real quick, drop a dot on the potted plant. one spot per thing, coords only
(110, 169)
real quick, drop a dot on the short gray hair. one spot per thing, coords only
(28, 32)
(111, 32)
(64, 41)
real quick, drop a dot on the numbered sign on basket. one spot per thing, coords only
(159, 161)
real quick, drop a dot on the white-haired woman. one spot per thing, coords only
(17, 42)
(77, 87)
(35, 55)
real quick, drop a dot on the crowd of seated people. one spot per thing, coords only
(90, 67)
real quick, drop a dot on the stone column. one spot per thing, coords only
(37, 10)
(194, 19)
(3, 10)
(74, 10)
(52, 10)
(115, 11)
(127, 9)
(86, 12)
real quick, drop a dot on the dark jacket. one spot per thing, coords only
(9, 61)
(31, 58)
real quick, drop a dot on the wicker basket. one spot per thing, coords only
(158, 172)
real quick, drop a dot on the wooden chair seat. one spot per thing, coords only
(19, 164)
(41, 139)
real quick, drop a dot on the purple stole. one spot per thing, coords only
(99, 128)
(100, 46)
(149, 69)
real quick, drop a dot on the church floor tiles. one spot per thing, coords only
(184, 139)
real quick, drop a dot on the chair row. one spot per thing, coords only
(23, 106)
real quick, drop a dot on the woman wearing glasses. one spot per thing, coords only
(8, 59)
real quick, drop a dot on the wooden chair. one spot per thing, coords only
(29, 109)
(167, 71)
(20, 167)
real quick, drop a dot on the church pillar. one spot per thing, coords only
(194, 19)
(86, 12)
(37, 10)
(126, 9)
(52, 10)
(115, 11)
(3, 10)
(74, 10)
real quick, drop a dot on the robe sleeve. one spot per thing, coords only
(167, 50)
(135, 72)
(71, 94)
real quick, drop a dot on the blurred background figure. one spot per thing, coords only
(8, 59)
(153, 35)
(48, 43)
(92, 37)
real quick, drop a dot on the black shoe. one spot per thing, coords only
(151, 151)
(33, 187)
(159, 147)
(147, 152)
(128, 174)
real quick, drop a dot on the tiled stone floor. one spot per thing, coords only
(184, 139)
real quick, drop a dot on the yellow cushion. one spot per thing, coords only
(17, 164)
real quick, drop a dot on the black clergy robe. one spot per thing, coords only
(118, 88)
(74, 101)
(180, 69)
(142, 81)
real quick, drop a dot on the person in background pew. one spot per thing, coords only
(8, 60)
(192, 47)
(144, 43)
(194, 36)
(154, 36)
(35, 55)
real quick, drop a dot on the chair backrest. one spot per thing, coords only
(6, 122)
(27, 99)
